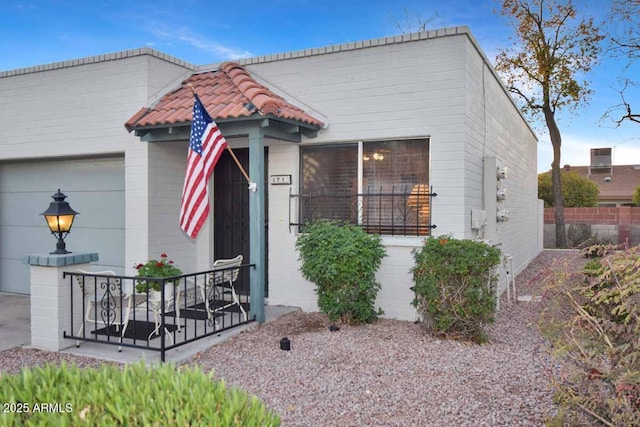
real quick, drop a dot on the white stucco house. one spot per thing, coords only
(359, 131)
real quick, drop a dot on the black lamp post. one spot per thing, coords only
(59, 218)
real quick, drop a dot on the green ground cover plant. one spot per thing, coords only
(131, 395)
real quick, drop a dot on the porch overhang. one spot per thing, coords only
(241, 107)
(272, 127)
(234, 99)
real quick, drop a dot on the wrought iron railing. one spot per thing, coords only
(395, 210)
(107, 308)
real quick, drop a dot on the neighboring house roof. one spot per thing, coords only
(227, 93)
(620, 183)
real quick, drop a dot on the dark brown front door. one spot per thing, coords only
(231, 211)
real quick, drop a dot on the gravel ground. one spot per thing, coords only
(390, 373)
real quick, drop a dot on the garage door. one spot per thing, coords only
(94, 187)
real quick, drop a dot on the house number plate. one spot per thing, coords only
(280, 179)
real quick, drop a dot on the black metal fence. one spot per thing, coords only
(171, 312)
(403, 210)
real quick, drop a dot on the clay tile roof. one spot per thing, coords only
(226, 93)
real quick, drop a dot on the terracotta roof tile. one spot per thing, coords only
(226, 93)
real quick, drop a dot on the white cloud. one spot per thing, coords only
(576, 150)
(186, 36)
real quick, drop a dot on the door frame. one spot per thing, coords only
(226, 169)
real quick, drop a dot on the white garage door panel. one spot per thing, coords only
(94, 187)
(96, 175)
(87, 240)
(12, 273)
(23, 240)
(98, 209)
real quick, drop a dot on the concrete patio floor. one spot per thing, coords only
(15, 320)
(15, 331)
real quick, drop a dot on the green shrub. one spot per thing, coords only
(636, 196)
(342, 261)
(578, 190)
(133, 395)
(598, 341)
(592, 268)
(454, 283)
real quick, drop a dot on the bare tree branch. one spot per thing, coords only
(626, 44)
(409, 26)
(629, 115)
(521, 94)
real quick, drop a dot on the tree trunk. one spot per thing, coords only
(556, 185)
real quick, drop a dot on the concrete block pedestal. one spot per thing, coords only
(51, 298)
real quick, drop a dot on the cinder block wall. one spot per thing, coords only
(617, 225)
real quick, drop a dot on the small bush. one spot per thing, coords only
(598, 250)
(342, 261)
(578, 234)
(454, 283)
(598, 341)
(136, 395)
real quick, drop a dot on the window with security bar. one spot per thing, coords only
(382, 186)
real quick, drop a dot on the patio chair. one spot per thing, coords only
(104, 301)
(172, 302)
(222, 281)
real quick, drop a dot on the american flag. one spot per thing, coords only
(206, 144)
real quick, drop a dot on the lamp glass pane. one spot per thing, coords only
(59, 223)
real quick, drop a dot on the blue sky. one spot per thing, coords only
(204, 31)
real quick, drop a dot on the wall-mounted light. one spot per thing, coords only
(378, 156)
(59, 218)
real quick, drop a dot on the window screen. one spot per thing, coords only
(329, 182)
(395, 185)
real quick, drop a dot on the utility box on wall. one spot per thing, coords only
(495, 193)
(478, 219)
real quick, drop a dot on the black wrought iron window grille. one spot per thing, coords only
(398, 210)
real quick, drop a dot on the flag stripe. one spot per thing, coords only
(189, 190)
(206, 144)
(196, 197)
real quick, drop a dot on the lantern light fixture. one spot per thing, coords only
(59, 217)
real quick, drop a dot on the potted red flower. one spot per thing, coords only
(164, 267)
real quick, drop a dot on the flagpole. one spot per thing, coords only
(252, 185)
(239, 165)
